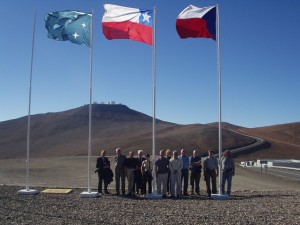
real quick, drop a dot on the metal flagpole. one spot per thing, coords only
(220, 97)
(89, 193)
(154, 191)
(154, 97)
(219, 196)
(90, 107)
(28, 191)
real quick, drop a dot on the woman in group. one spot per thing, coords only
(146, 170)
(169, 156)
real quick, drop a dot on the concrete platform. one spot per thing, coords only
(153, 195)
(57, 191)
(220, 197)
(91, 194)
(27, 192)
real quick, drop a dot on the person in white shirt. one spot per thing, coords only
(175, 166)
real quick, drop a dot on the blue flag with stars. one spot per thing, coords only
(69, 25)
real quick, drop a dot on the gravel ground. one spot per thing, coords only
(257, 198)
(244, 207)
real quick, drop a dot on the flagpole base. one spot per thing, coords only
(87, 194)
(153, 195)
(220, 197)
(27, 192)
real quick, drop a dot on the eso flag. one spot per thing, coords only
(194, 22)
(121, 22)
(69, 25)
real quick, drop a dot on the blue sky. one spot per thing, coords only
(260, 53)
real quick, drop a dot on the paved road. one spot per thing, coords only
(259, 141)
(284, 173)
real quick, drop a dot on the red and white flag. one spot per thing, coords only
(194, 22)
(121, 22)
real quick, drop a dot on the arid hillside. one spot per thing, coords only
(66, 133)
(283, 139)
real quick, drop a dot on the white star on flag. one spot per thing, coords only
(75, 35)
(146, 17)
(83, 25)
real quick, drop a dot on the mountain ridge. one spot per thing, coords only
(66, 133)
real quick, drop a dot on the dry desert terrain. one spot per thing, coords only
(257, 198)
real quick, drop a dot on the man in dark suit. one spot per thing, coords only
(196, 168)
(104, 172)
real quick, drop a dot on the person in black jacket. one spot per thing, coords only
(196, 168)
(104, 172)
(138, 179)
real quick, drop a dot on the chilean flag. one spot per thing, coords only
(194, 22)
(120, 22)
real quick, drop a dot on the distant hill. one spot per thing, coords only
(66, 133)
(287, 133)
(284, 141)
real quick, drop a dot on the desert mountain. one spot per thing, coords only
(66, 133)
(284, 141)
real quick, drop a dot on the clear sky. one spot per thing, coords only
(260, 53)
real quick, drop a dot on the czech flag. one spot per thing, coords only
(194, 22)
(120, 22)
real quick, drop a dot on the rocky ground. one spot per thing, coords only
(244, 207)
(257, 198)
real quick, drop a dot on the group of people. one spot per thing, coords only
(211, 172)
(173, 173)
(138, 171)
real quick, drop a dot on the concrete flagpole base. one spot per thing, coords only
(86, 194)
(153, 195)
(27, 192)
(220, 197)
